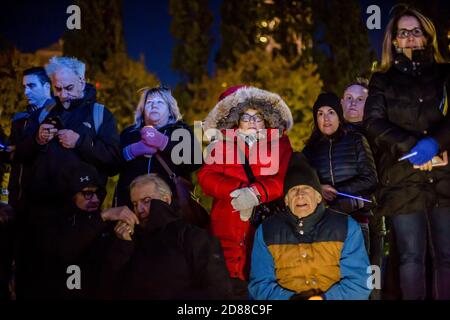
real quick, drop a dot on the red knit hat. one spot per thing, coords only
(230, 90)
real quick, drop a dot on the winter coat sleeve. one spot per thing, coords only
(77, 238)
(102, 150)
(366, 181)
(213, 180)
(116, 257)
(27, 147)
(263, 284)
(207, 261)
(354, 262)
(271, 187)
(379, 130)
(441, 132)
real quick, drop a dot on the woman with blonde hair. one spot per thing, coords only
(157, 117)
(406, 119)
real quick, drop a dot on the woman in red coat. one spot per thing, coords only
(245, 166)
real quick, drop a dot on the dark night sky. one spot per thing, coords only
(32, 25)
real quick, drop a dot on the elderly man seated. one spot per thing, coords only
(308, 251)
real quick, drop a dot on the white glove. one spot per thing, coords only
(245, 214)
(244, 198)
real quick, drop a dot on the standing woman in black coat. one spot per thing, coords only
(343, 161)
(407, 113)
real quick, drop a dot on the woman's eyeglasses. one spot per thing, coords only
(404, 33)
(256, 118)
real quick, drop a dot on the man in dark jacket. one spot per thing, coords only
(163, 257)
(37, 89)
(83, 233)
(67, 132)
(353, 101)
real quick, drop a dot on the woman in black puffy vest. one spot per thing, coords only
(343, 161)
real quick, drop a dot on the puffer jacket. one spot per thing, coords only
(346, 163)
(407, 103)
(321, 254)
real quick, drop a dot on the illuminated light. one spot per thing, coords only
(263, 39)
(224, 84)
(97, 85)
(264, 24)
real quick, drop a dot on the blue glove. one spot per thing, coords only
(426, 149)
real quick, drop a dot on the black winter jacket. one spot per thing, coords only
(346, 163)
(405, 104)
(98, 149)
(167, 259)
(129, 170)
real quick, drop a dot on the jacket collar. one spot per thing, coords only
(161, 214)
(307, 224)
(420, 62)
(89, 97)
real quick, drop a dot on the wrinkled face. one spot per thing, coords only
(327, 120)
(87, 199)
(67, 85)
(353, 103)
(410, 34)
(302, 200)
(156, 111)
(251, 121)
(141, 195)
(35, 92)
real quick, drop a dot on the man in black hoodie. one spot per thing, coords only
(163, 257)
(83, 233)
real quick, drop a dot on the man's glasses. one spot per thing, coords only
(88, 195)
(256, 118)
(404, 33)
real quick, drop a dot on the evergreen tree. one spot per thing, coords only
(190, 26)
(341, 49)
(100, 36)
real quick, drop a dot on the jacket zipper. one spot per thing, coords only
(20, 182)
(21, 171)
(331, 164)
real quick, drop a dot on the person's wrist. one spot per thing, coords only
(256, 192)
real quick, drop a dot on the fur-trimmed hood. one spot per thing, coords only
(226, 113)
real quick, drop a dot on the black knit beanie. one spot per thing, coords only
(300, 172)
(331, 100)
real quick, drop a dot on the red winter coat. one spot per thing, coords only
(219, 180)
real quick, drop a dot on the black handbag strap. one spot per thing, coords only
(248, 170)
(166, 167)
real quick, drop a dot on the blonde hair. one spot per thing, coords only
(426, 24)
(166, 95)
(162, 187)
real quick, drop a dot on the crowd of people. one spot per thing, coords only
(284, 224)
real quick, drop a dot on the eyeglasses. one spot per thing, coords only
(88, 195)
(256, 118)
(404, 33)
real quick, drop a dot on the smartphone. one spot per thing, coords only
(55, 121)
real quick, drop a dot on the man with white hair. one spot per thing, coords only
(74, 129)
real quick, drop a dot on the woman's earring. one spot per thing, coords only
(397, 48)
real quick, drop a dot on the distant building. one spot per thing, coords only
(55, 49)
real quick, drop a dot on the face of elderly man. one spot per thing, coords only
(302, 200)
(67, 85)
